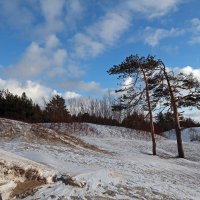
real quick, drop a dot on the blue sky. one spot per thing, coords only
(66, 46)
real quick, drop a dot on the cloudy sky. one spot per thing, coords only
(66, 46)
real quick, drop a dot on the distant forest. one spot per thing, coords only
(91, 111)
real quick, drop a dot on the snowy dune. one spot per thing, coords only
(188, 134)
(124, 170)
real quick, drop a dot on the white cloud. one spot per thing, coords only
(74, 11)
(18, 13)
(53, 15)
(33, 90)
(192, 113)
(106, 31)
(85, 46)
(196, 24)
(195, 40)
(59, 16)
(153, 36)
(153, 8)
(91, 86)
(128, 81)
(188, 112)
(52, 41)
(195, 116)
(71, 95)
(46, 18)
(195, 28)
(190, 70)
(52, 10)
(36, 91)
(33, 62)
(111, 26)
(116, 21)
(59, 57)
(75, 71)
(39, 59)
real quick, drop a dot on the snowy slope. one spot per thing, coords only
(14, 169)
(128, 171)
(87, 129)
(188, 134)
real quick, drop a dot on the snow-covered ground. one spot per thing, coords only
(188, 134)
(124, 170)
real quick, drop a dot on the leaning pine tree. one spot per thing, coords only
(139, 78)
(178, 91)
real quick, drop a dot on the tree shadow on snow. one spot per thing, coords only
(160, 155)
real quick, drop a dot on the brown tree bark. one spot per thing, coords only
(176, 116)
(150, 114)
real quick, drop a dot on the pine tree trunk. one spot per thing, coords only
(176, 117)
(179, 142)
(150, 114)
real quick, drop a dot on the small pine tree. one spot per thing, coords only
(56, 110)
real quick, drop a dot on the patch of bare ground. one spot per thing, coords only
(55, 136)
(27, 180)
(29, 174)
(74, 141)
(26, 188)
(38, 133)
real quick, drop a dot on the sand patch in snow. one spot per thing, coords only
(26, 188)
(39, 133)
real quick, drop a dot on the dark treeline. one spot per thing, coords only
(22, 108)
(19, 107)
(165, 122)
(136, 121)
(85, 117)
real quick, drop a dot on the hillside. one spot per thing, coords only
(87, 161)
(188, 134)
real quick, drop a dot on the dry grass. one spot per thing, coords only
(37, 133)
(55, 136)
(74, 141)
(29, 180)
(26, 188)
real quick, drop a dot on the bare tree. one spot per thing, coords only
(94, 107)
